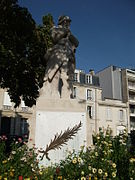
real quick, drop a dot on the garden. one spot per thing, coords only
(109, 158)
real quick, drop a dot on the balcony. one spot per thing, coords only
(132, 123)
(6, 107)
(131, 99)
(132, 112)
(25, 109)
(131, 86)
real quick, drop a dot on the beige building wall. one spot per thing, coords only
(7, 110)
(89, 101)
(113, 113)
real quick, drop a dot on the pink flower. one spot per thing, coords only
(20, 140)
(4, 137)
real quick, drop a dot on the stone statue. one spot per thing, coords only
(61, 60)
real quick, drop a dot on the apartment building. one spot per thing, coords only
(128, 83)
(110, 79)
(101, 111)
(118, 83)
(86, 89)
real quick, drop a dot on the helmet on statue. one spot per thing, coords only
(63, 18)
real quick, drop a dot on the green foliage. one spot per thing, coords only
(109, 158)
(132, 142)
(22, 49)
(95, 162)
(120, 156)
(45, 29)
(21, 161)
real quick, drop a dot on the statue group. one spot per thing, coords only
(61, 60)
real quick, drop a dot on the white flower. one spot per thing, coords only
(13, 152)
(83, 178)
(94, 170)
(132, 160)
(106, 174)
(113, 174)
(100, 171)
(89, 167)
(74, 161)
(79, 159)
(113, 165)
(82, 172)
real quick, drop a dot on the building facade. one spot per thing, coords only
(53, 114)
(128, 82)
(110, 80)
(14, 122)
(119, 84)
(101, 111)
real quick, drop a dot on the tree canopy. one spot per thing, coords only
(22, 48)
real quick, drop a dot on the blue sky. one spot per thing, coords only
(105, 29)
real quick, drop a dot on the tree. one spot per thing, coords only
(22, 49)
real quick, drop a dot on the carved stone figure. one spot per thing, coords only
(61, 60)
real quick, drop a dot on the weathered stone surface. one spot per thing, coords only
(61, 61)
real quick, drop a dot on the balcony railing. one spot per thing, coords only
(131, 85)
(5, 107)
(25, 109)
(132, 111)
(132, 98)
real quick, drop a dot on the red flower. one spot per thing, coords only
(20, 177)
(57, 170)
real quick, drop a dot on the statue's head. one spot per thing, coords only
(64, 20)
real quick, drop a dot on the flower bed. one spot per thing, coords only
(108, 158)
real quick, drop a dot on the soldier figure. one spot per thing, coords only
(61, 60)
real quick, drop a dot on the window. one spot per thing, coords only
(14, 127)
(108, 114)
(7, 104)
(89, 110)
(24, 107)
(89, 94)
(121, 115)
(76, 77)
(74, 92)
(82, 78)
(88, 79)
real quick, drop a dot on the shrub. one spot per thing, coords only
(108, 158)
(20, 162)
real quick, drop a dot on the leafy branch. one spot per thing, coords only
(60, 140)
